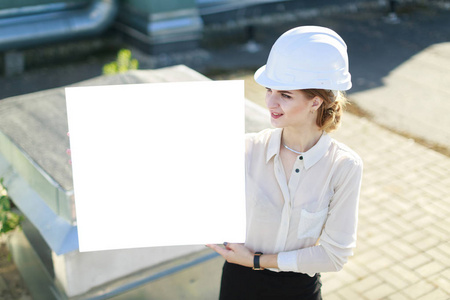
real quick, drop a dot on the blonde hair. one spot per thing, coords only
(330, 112)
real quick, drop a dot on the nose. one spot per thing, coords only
(271, 100)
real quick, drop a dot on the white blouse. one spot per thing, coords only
(311, 220)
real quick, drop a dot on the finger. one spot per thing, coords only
(68, 152)
(214, 247)
(226, 244)
(232, 246)
(218, 249)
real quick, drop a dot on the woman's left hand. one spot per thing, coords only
(235, 253)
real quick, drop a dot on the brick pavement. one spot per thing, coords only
(403, 249)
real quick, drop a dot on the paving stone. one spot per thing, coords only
(368, 256)
(379, 292)
(444, 224)
(346, 277)
(441, 281)
(414, 236)
(349, 293)
(425, 219)
(380, 238)
(398, 296)
(427, 243)
(444, 204)
(445, 181)
(413, 194)
(435, 210)
(418, 289)
(405, 273)
(446, 273)
(380, 263)
(366, 283)
(333, 296)
(437, 294)
(392, 252)
(404, 247)
(405, 225)
(380, 217)
(416, 261)
(434, 189)
(330, 284)
(393, 278)
(436, 231)
(445, 247)
(394, 228)
(430, 268)
(396, 205)
(362, 246)
(439, 256)
(359, 271)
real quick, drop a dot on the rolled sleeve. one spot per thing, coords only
(287, 261)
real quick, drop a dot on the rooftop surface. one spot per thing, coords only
(403, 249)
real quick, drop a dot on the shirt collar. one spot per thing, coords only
(273, 147)
(310, 157)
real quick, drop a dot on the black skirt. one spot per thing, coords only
(242, 283)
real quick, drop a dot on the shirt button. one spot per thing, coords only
(297, 170)
(300, 157)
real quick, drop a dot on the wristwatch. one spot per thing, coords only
(256, 265)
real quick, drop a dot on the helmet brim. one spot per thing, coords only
(262, 79)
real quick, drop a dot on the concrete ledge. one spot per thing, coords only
(76, 275)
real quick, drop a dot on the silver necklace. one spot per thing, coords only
(296, 152)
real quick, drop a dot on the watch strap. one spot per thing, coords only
(256, 265)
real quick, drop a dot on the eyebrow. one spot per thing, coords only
(282, 91)
(285, 92)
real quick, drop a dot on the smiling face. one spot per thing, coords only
(292, 109)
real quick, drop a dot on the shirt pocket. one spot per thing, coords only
(311, 223)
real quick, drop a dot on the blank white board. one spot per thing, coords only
(158, 164)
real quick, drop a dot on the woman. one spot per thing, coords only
(302, 187)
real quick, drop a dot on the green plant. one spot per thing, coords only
(8, 219)
(123, 63)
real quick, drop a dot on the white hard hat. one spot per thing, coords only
(307, 57)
